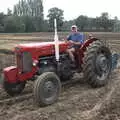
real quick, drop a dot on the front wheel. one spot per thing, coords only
(47, 89)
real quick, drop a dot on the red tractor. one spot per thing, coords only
(37, 61)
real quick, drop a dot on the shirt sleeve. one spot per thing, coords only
(69, 37)
(81, 38)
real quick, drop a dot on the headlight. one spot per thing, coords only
(35, 62)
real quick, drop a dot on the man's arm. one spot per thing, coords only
(68, 39)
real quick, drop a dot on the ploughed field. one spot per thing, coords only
(78, 101)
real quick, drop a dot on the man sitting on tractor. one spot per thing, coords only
(75, 39)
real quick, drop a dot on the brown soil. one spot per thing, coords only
(78, 101)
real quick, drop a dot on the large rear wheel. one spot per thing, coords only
(97, 64)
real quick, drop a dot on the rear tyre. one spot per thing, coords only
(97, 64)
(14, 88)
(47, 89)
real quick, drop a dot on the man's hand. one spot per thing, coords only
(75, 43)
(71, 41)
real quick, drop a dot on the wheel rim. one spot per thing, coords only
(49, 90)
(102, 66)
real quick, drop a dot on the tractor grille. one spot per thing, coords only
(19, 61)
(24, 62)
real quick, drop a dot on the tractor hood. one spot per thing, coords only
(36, 45)
(41, 46)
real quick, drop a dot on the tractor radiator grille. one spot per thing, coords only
(19, 61)
(24, 62)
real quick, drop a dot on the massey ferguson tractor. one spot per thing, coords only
(48, 64)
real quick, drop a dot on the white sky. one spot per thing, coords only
(74, 8)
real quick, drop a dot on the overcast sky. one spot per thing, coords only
(74, 8)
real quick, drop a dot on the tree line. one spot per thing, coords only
(28, 16)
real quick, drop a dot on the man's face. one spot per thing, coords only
(74, 29)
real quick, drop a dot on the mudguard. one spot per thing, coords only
(10, 74)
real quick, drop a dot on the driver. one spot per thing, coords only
(76, 39)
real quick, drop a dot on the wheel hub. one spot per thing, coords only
(102, 66)
(102, 62)
(49, 89)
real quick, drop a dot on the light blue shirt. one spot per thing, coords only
(76, 37)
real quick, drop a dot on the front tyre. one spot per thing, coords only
(97, 64)
(47, 89)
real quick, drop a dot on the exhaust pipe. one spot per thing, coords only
(56, 42)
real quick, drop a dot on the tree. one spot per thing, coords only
(82, 22)
(9, 12)
(58, 14)
(13, 24)
(105, 22)
(29, 8)
(29, 24)
(2, 16)
(31, 13)
(45, 26)
(67, 25)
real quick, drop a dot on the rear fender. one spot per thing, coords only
(10, 74)
(83, 49)
(87, 43)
